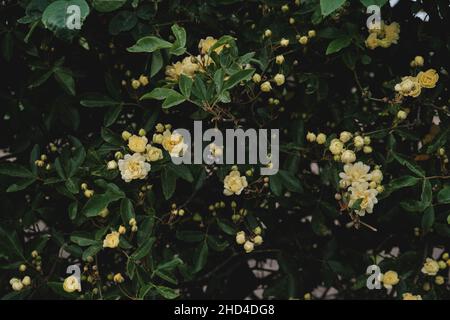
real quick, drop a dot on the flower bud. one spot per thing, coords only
(303, 40)
(22, 268)
(257, 230)
(88, 193)
(126, 135)
(345, 136)
(240, 237)
(111, 165)
(143, 80)
(311, 33)
(256, 78)
(135, 84)
(26, 281)
(279, 59)
(321, 138)
(367, 149)
(348, 156)
(284, 42)
(268, 33)
(122, 229)
(402, 115)
(248, 246)
(279, 79)
(311, 137)
(118, 278)
(266, 87)
(418, 61)
(285, 8)
(104, 213)
(258, 240)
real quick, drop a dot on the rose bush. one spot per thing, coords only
(89, 118)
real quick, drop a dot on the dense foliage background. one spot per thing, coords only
(69, 94)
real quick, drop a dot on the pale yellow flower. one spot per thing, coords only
(153, 153)
(206, 44)
(336, 146)
(240, 237)
(111, 240)
(409, 87)
(234, 183)
(389, 279)
(430, 267)
(133, 167)
(361, 191)
(428, 79)
(174, 143)
(71, 284)
(355, 173)
(137, 143)
(188, 66)
(118, 278)
(410, 296)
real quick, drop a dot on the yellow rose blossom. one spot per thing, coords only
(187, 66)
(153, 153)
(206, 44)
(279, 79)
(133, 167)
(111, 240)
(137, 144)
(410, 296)
(71, 284)
(389, 279)
(428, 79)
(266, 86)
(355, 173)
(118, 278)
(174, 143)
(234, 183)
(361, 191)
(409, 87)
(430, 267)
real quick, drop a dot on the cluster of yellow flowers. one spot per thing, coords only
(141, 81)
(17, 284)
(238, 215)
(362, 186)
(190, 65)
(249, 242)
(412, 86)
(234, 183)
(41, 162)
(432, 267)
(343, 149)
(384, 36)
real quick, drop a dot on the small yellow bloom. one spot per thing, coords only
(284, 42)
(159, 128)
(311, 137)
(240, 237)
(256, 78)
(16, 284)
(410, 296)
(358, 141)
(206, 44)
(279, 79)
(345, 136)
(311, 33)
(258, 240)
(234, 183)
(174, 143)
(22, 268)
(321, 138)
(111, 240)
(266, 86)
(137, 144)
(336, 146)
(104, 213)
(126, 135)
(430, 267)
(135, 84)
(303, 40)
(153, 153)
(439, 280)
(122, 230)
(389, 279)
(157, 138)
(111, 165)
(279, 59)
(268, 33)
(402, 115)
(248, 246)
(348, 156)
(26, 281)
(428, 79)
(418, 61)
(71, 284)
(143, 80)
(88, 193)
(118, 278)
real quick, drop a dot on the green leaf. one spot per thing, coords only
(126, 210)
(185, 85)
(167, 292)
(149, 44)
(182, 171)
(237, 77)
(55, 16)
(290, 181)
(107, 5)
(329, 6)
(379, 3)
(94, 100)
(111, 137)
(83, 241)
(338, 44)
(173, 99)
(216, 244)
(144, 249)
(157, 63)
(91, 251)
(112, 114)
(158, 94)
(428, 218)
(168, 181)
(409, 164)
(15, 170)
(400, 183)
(10, 243)
(178, 47)
(276, 185)
(425, 199)
(169, 265)
(64, 77)
(101, 201)
(227, 227)
(73, 209)
(190, 235)
(7, 46)
(444, 195)
(200, 257)
(123, 21)
(20, 185)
